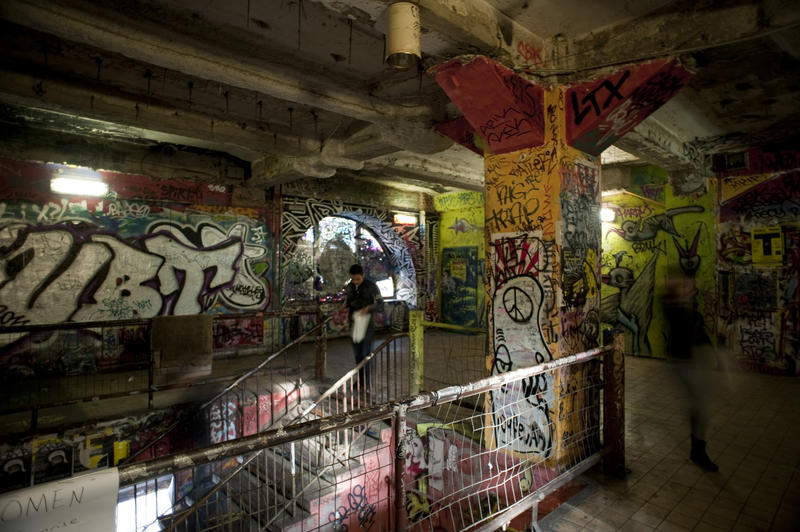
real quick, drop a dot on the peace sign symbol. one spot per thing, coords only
(518, 304)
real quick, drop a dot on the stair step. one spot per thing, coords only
(260, 503)
(276, 468)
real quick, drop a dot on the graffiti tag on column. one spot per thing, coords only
(78, 272)
(515, 208)
(521, 410)
(598, 99)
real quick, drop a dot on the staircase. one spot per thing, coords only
(332, 481)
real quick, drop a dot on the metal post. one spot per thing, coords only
(614, 406)
(416, 334)
(400, 517)
(321, 356)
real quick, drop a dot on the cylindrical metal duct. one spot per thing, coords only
(402, 36)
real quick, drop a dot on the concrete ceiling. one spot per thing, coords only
(297, 88)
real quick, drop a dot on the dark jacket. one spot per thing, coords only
(367, 294)
(685, 328)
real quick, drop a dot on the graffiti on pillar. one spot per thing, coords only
(599, 112)
(757, 315)
(521, 280)
(581, 232)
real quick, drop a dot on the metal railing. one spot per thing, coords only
(381, 377)
(248, 404)
(61, 364)
(467, 457)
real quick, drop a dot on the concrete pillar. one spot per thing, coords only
(542, 174)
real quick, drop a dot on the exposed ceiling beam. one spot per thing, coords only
(481, 26)
(208, 59)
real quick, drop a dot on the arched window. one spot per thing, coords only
(324, 255)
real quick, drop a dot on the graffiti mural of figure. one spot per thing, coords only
(632, 306)
(648, 228)
(522, 411)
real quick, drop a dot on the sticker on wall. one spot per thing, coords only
(767, 245)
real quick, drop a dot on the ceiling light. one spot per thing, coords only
(607, 215)
(405, 219)
(402, 36)
(78, 186)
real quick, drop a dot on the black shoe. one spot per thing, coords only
(698, 455)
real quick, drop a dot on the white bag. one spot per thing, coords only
(360, 325)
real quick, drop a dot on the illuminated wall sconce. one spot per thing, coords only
(402, 35)
(607, 215)
(76, 184)
(405, 219)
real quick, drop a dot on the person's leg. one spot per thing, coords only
(699, 385)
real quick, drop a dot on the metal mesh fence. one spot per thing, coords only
(335, 480)
(469, 459)
(462, 458)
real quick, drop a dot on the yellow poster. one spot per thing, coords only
(767, 245)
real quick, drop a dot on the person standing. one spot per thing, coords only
(690, 353)
(362, 297)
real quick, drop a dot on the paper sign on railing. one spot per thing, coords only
(85, 503)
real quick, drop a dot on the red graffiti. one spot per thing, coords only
(531, 53)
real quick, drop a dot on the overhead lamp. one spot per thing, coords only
(402, 35)
(77, 182)
(607, 215)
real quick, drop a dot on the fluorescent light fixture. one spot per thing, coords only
(405, 219)
(607, 215)
(78, 186)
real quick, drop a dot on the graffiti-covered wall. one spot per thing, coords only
(652, 229)
(147, 249)
(759, 268)
(463, 257)
(301, 263)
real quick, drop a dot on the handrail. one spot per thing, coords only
(139, 471)
(453, 327)
(349, 375)
(228, 388)
(289, 426)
